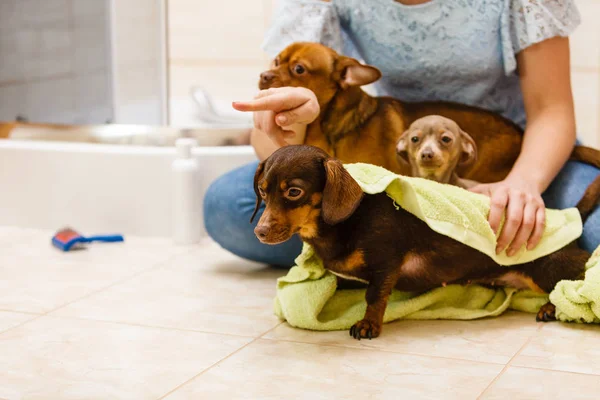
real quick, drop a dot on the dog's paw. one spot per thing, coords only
(547, 313)
(365, 329)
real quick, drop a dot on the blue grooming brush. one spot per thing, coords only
(68, 239)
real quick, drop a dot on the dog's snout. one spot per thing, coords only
(261, 231)
(427, 154)
(267, 76)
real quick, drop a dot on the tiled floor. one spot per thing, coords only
(147, 320)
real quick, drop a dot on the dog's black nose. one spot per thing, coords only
(427, 154)
(261, 231)
(267, 76)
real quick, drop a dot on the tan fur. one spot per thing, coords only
(434, 147)
(519, 281)
(304, 220)
(349, 265)
(514, 279)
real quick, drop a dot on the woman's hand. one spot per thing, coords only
(277, 109)
(525, 213)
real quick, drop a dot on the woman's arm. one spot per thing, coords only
(549, 139)
(550, 135)
(280, 117)
(264, 146)
(292, 21)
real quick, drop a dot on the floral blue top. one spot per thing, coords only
(453, 50)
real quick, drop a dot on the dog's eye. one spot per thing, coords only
(294, 193)
(299, 69)
(414, 139)
(446, 139)
(276, 62)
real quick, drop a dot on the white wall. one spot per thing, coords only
(585, 72)
(83, 61)
(138, 62)
(54, 60)
(215, 45)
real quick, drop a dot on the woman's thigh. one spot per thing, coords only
(567, 189)
(228, 205)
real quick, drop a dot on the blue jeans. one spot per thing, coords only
(230, 200)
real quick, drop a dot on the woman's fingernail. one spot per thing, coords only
(510, 252)
(498, 249)
(282, 119)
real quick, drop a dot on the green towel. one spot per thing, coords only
(307, 296)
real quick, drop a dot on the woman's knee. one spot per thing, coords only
(590, 239)
(567, 190)
(227, 203)
(569, 185)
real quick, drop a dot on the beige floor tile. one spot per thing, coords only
(10, 319)
(206, 290)
(563, 347)
(18, 240)
(6, 232)
(274, 370)
(43, 286)
(56, 358)
(532, 384)
(67, 355)
(36, 277)
(35, 246)
(493, 340)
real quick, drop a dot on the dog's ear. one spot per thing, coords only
(402, 146)
(349, 72)
(257, 175)
(468, 150)
(341, 195)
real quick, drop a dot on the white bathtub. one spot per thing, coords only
(98, 188)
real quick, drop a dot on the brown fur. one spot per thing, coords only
(369, 240)
(355, 127)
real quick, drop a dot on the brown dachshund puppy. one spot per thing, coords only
(355, 127)
(434, 147)
(364, 237)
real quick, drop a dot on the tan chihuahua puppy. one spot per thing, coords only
(434, 147)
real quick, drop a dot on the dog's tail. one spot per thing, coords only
(586, 155)
(591, 197)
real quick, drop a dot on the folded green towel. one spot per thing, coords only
(579, 301)
(307, 296)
